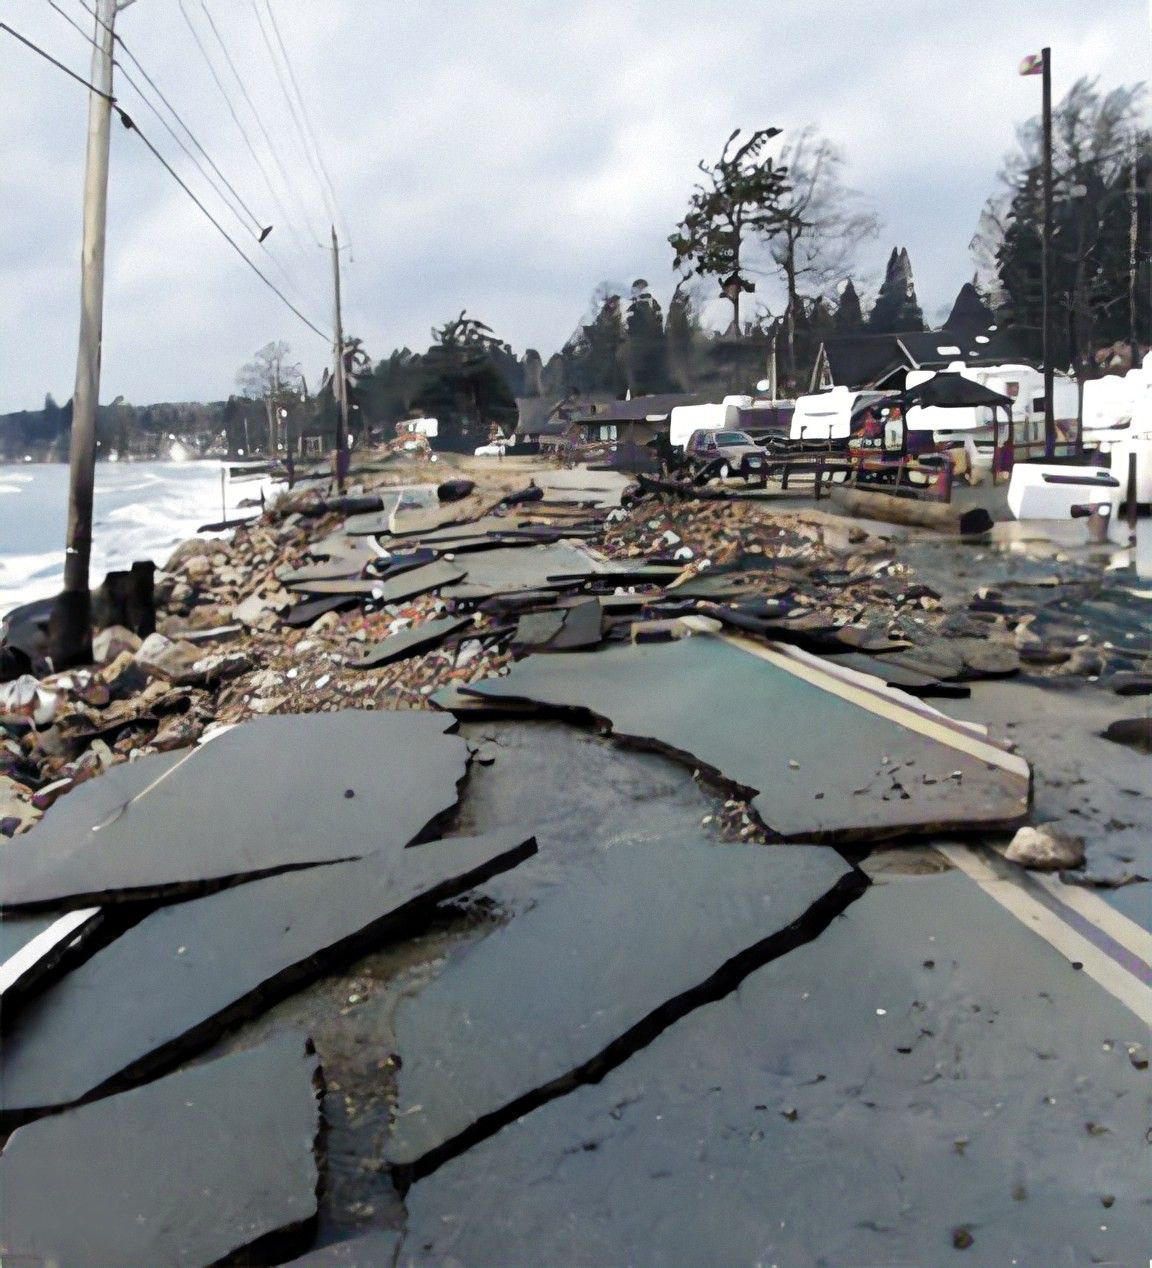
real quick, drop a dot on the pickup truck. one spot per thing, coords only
(721, 455)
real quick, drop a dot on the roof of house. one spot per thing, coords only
(870, 360)
(635, 410)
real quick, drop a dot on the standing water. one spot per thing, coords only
(142, 511)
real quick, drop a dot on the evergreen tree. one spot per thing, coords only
(646, 352)
(970, 314)
(896, 308)
(849, 319)
(682, 335)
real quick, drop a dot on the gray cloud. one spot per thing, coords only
(504, 156)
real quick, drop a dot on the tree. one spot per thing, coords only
(743, 194)
(896, 308)
(270, 377)
(462, 383)
(849, 319)
(1098, 138)
(646, 352)
(594, 355)
(682, 336)
(970, 314)
(357, 364)
(825, 223)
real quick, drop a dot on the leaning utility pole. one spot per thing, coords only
(339, 386)
(70, 628)
(1046, 263)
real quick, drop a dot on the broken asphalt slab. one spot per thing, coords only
(271, 794)
(411, 641)
(926, 1068)
(172, 983)
(34, 946)
(192, 1169)
(895, 765)
(393, 589)
(627, 944)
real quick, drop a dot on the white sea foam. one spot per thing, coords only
(141, 512)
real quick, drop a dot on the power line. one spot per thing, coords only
(260, 232)
(318, 161)
(260, 123)
(59, 65)
(132, 127)
(244, 133)
(259, 228)
(128, 123)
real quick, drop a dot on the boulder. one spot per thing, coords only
(108, 644)
(1046, 849)
(175, 662)
(198, 568)
(193, 548)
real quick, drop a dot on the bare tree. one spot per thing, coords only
(270, 377)
(816, 245)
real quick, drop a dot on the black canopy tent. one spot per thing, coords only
(947, 390)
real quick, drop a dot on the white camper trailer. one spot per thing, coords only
(1023, 384)
(827, 415)
(685, 419)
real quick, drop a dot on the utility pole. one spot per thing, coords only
(1133, 242)
(1046, 262)
(339, 386)
(70, 626)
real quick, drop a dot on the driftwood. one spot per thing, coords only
(901, 510)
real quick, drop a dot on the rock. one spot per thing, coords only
(27, 700)
(181, 596)
(249, 611)
(198, 568)
(109, 643)
(208, 616)
(326, 622)
(175, 662)
(1025, 639)
(16, 809)
(193, 548)
(1046, 849)
(223, 665)
(178, 732)
(123, 676)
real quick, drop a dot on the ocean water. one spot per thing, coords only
(142, 510)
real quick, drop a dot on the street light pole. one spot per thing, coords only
(70, 625)
(1046, 262)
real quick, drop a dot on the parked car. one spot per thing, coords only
(723, 454)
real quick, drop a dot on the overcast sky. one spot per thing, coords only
(504, 156)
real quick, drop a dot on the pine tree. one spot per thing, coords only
(849, 318)
(896, 308)
(970, 314)
(646, 353)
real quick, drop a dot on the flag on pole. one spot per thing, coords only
(1033, 64)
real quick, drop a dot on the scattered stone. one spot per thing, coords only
(1046, 849)
(108, 644)
(175, 662)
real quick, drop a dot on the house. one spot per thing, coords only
(883, 361)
